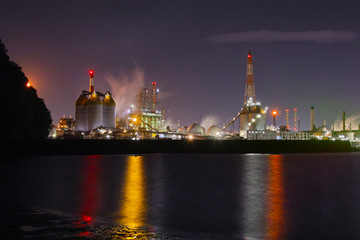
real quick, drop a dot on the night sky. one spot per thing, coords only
(305, 53)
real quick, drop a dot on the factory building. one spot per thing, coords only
(147, 113)
(94, 109)
(288, 135)
(252, 115)
(66, 122)
(261, 135)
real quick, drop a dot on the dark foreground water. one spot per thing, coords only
(171, 196)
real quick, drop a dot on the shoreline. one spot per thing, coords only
(106, 147)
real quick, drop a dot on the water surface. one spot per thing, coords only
(251, 196)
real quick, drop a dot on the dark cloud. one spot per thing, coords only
(319, 36)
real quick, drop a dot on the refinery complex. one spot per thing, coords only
(95, 118)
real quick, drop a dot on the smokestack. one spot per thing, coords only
(154, 97)
(163, 115)
(343, 120)
(287, 119)
(298, 124)
(91, 84)
(312, 119)
(295, 119)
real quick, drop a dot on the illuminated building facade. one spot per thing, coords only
(147, 113)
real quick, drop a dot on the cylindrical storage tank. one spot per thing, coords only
(94, 108)
(109, 111)
(80, 113)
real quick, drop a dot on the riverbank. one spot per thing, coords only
(91, 147)
(23, 222)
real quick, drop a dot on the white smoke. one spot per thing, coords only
(209, 120)
(124, 87)
(353, 119)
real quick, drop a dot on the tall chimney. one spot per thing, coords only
(154, 97)
(343, 120)
(163, 115)
(312, 119)
(287, 119)
(91, 84)
(295, 120)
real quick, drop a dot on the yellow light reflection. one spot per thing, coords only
(276, 211)
(133, 202)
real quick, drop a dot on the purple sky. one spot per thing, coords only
(305, 52)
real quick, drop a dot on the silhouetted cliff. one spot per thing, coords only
(23, 114)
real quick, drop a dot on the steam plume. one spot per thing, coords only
(353, 119)
(124, 88)
(209, 120)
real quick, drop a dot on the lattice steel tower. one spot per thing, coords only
(250, 86)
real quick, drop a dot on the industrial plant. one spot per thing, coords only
(95, 118)
(94, 109)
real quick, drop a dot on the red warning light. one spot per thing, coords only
(91, 72)
(153, 83)
(249, 56)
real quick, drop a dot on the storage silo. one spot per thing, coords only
(80, 113)
(109, 111)
(94, 108)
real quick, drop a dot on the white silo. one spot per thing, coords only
(80, 113)
(109, 111)
(94, 109)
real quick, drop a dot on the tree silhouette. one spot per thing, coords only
(23, 114)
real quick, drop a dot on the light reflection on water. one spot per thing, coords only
(133, 202)
(90, 198)
(295, 196)
(275, 210)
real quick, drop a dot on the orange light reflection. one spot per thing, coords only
(276, 211)
(133, 203)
